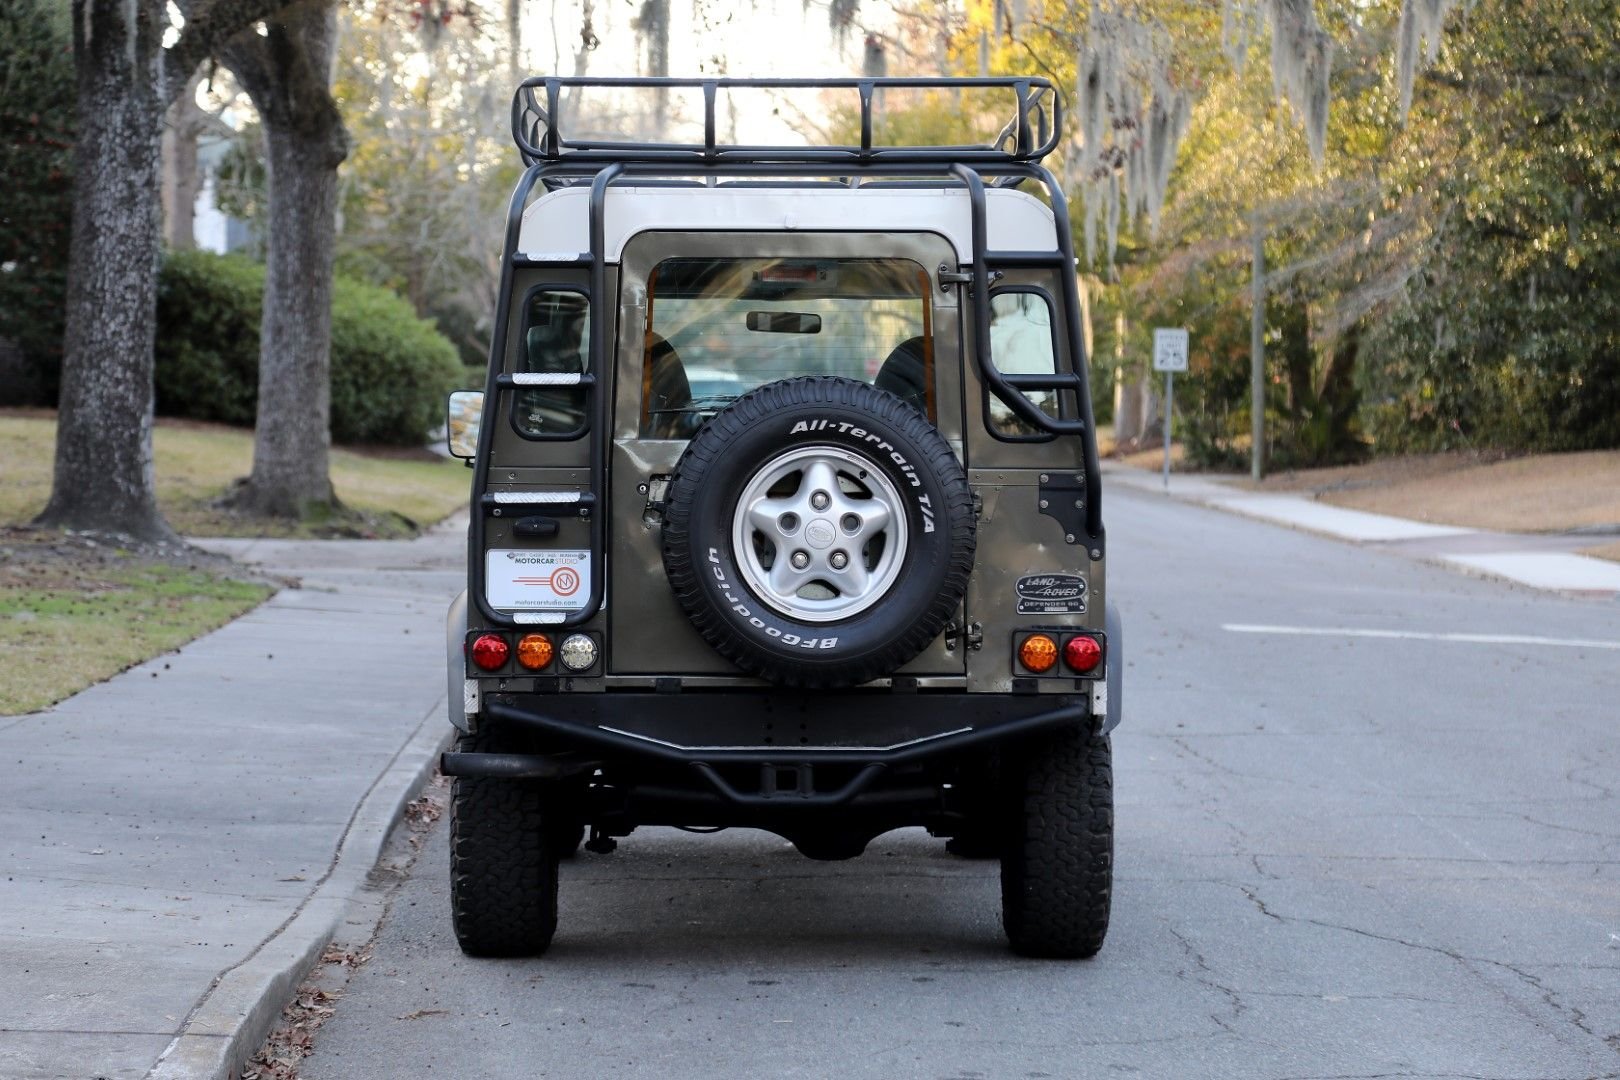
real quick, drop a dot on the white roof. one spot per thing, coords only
(557, 224)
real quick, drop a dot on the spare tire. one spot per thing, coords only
(818, 532)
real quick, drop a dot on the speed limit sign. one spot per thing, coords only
(1170, 350)
(1169, 356)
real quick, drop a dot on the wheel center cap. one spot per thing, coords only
(820, 533)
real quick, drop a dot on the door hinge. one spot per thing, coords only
(974, 635)
(655, 490)
(949, 277)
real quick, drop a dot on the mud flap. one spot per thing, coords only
(455, 684)
(1116, 665)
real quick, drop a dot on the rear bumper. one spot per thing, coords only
(829, 758)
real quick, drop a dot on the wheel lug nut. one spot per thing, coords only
(821, 500)
(851, 523)
(839, 560)
(787, 523)
(800, 560)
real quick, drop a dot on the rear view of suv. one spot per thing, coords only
(785, 513)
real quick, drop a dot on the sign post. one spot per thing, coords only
(1170, 348)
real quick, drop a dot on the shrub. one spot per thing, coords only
(208, 337)
(390, 369)
(36, 160)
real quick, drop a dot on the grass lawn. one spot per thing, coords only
(1531, 493)
(388, 493)
(74, 612)
(1605, 551)
(70, 617)
(1535, 493)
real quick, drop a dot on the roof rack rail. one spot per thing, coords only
(1030, 133)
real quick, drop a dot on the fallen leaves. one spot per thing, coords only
(292, 1042)
(425, 809)
(315, 1001)
(347, 957)
(418, 1014)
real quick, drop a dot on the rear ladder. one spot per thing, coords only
(555, 503)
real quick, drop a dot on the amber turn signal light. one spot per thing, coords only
(489, 651)
(1082, 654)
(534, 651)
(1038, 653)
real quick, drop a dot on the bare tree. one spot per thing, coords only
(126, 80)
(287, 71)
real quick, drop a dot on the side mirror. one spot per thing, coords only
(465, 414)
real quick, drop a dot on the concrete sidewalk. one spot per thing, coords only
(1540, 561)
(181, 841)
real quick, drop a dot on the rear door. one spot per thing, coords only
(708, 316)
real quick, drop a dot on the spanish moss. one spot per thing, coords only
(1132, 115)
(1421, 20)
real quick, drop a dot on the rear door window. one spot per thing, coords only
(717, 328)
(556, 341)
(1022, 342)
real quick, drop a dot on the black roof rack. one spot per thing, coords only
(1031, 132)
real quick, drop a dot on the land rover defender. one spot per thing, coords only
(785, 511)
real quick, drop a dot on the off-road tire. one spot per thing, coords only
(1057, 863)
(897, 439)
(503, 863)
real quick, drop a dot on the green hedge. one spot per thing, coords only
(390, 369)
(36, 161)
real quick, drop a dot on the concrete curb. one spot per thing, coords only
(1517, 558)
(1290, 511)
(1549, 571)
(233, 1017)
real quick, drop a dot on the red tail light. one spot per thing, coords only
(489, 652)
(1082, 654)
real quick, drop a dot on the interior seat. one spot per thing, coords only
(905, 373)
(667, 394)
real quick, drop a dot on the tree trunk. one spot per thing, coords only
(287, 73)
(292, 435)
(1152, 428)
(181, 178)
(1127, 408)
(1298, 357)
(1342, 398)
(126, 78)
(104, 480)
(514, 38)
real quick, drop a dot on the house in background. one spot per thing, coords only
(195, 141)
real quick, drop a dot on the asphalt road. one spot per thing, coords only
(1338, 856)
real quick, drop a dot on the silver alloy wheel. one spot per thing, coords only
(819, 553)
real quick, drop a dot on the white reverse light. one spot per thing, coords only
(578, 652)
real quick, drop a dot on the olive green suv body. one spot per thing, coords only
(785, 513)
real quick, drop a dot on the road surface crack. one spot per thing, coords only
(1206, 976)
(1570, 1014)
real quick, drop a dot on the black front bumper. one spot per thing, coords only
(792, 751)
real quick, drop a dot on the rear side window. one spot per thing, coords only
(556, 341)
(717, 328)
(1022, 342)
